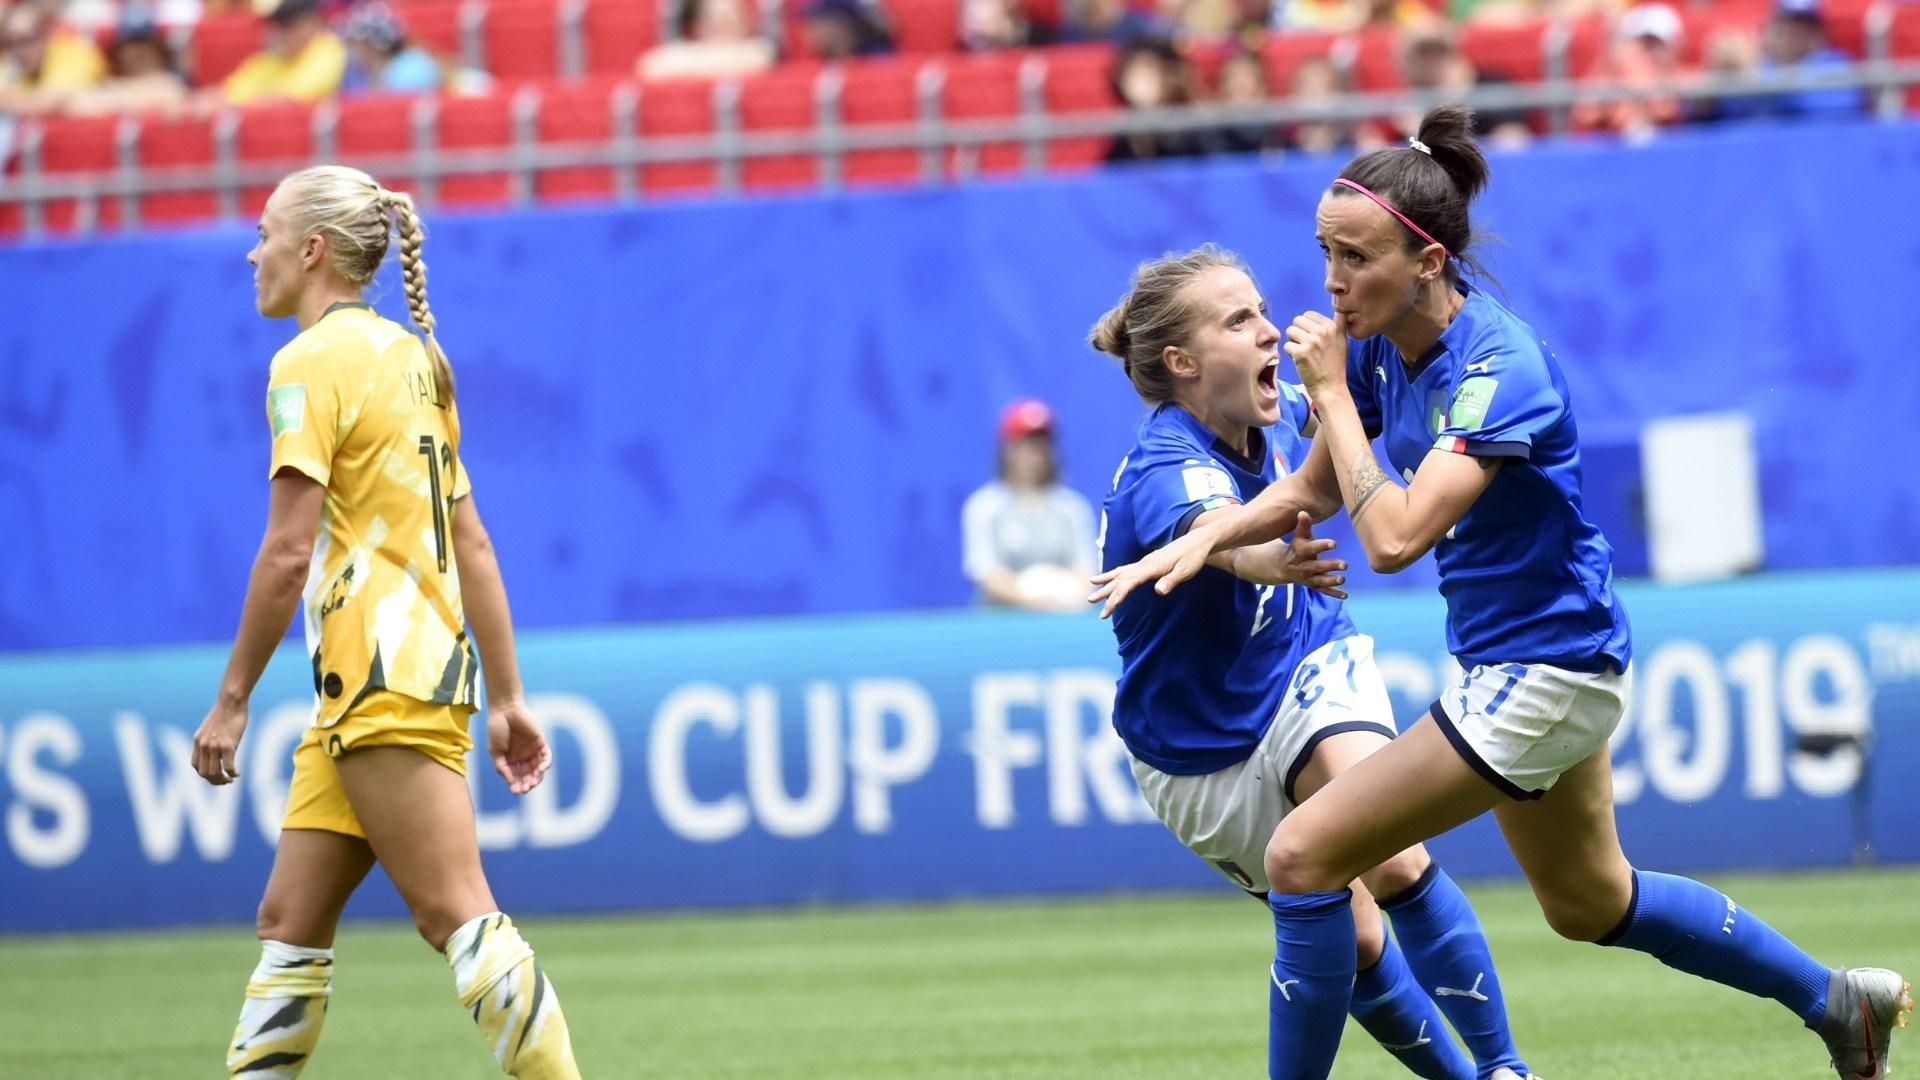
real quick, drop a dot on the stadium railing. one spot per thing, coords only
(892, 120)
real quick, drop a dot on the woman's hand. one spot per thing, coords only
(1318, 346)
(1167, 567)
(1294, 562)
(517, 745)
(216, 745)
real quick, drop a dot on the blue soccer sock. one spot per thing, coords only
(1697, 929)
(1310, 984)
(1390, 1004)
(1448, 953)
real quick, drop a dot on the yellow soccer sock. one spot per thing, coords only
(286, 1005)
(501, 984)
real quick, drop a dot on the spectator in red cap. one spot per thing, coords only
(1027, 539)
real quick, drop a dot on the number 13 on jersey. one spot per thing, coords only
(439, 457)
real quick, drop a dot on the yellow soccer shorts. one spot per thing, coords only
(315, 797)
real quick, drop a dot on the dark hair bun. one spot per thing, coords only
(1447, 133)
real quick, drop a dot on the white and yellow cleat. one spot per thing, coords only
(1864, 1005)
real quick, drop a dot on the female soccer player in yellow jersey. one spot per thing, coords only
(371, 512)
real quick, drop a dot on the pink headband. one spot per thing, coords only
(1389, 208)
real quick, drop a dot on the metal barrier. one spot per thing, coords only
(830, 139)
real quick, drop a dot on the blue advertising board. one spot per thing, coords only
(852, 758)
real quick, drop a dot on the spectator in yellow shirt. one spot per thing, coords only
(1342, 16)
(303, 60)
(42, 65)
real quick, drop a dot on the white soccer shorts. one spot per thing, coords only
(1522, 726)
(1227, 817)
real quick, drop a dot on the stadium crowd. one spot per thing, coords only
(108, 56)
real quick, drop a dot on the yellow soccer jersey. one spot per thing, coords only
(352, 404)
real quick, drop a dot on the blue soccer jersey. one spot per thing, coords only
(1203, 669)
(1527, 578)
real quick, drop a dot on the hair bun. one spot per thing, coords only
(1446, 135)
(1110, 333)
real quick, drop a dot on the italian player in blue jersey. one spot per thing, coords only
(1477, 419)
(1242, 695)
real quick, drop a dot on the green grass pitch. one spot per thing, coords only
(1131, 986)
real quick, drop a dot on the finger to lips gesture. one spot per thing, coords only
(1318, 346)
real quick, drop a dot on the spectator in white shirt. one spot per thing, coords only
(1028, 539)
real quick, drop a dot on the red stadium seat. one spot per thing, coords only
(175, 143)
(793, 32)
(925, 26)
(1077, 81)
(1206, 59)
(617, 32)
(1700, 26)
(981, 86)
(375, 125)
(576, 112)
(1284, 53)
(379, 126)
(1515, 52)
(874, 92)
(1586, 43)
(780, 100)
(281, 134)
(1904, 31)
(221, 41)
(1049, 15)
(1376, 59)
(473, 123)
(1847, 31)
(1846, 24)
(522, 39)
(677, 107)
(435, 26)
(79, 145)
(1904, 42)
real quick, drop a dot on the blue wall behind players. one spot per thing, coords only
(777, 406)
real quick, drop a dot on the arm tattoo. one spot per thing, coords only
(1366, 481)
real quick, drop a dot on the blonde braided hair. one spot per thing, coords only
(413, 274)
(356, 216)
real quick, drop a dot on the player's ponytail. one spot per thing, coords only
(1110, 333)
(358, 217)
(1447, 133)
(1431, 181)
(413, 273)
(1154, 315)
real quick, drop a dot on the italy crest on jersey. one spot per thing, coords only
(1437, 402)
